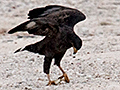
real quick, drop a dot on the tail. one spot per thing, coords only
(21, 27)
(19, 50)
(31, 48)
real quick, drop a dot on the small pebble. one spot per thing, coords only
(74, 57)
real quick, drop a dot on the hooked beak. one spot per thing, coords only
(75, 50)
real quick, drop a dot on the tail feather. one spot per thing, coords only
(36, 48)
(30, 48)
(18, 50)
(21, 27)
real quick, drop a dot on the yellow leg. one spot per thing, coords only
(50, 82)
(66, 79)
(55, 82)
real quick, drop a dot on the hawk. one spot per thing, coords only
(56, 23)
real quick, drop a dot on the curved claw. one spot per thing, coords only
(51, 83)
(55, 82)
(61, 77)
(66, 79)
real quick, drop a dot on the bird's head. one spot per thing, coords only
(75, 41)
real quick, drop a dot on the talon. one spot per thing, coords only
(51, 83)
(61, 77)
(55, 82)
(66, 78)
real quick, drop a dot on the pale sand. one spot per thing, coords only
(95, 67)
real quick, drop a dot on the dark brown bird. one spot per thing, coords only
(56, 23)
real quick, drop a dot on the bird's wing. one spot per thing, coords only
(62, 15)
(46, 20)
(37, 26)
(44, 11)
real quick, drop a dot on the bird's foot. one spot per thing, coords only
(55, 82)
(66, 79)
(51, 83)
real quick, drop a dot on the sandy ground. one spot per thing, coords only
(95, 67)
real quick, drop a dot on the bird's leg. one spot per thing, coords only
(66, 79)
(57, 62)
(55, 82)
(50, 82)
(46, 66)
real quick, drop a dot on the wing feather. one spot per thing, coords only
(46, 21)
(36, 27)
(60, 14)
(41, 12)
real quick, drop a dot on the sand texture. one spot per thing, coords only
(96, 66)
